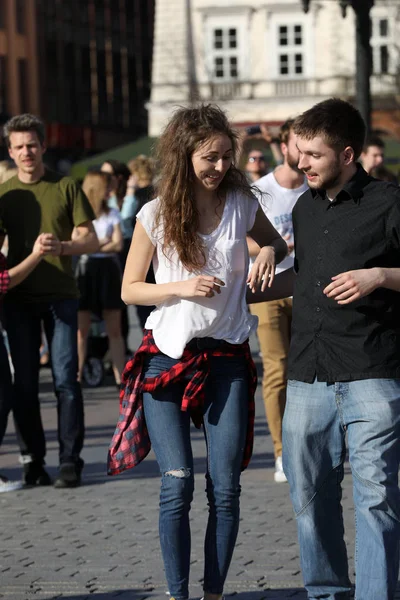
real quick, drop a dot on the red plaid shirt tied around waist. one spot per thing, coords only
(131, 443)
(4, 275)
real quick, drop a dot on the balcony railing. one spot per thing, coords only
(292, 87)
(227, 90)
(343, 85)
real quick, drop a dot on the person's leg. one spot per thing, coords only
(313, 456)
(22, 324)
(5, 388)
(83, 333)
(371, 410)
(225, 426)
(169, 431)
(274, 338)
(125, 325)
(112, 319)
(44, 351)
(61, 325)
(5, 407)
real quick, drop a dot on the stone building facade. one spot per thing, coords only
(265, 60)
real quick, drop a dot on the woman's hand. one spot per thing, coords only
(133, 181)
(43, 244)
(204, 286)
(263, 269)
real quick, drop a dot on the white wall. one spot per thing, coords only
(253, 87)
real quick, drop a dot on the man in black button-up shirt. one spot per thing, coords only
(355, 234)
(344, 363)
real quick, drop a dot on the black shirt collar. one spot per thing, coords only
(352, 190)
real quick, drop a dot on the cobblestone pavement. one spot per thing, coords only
(100, 541)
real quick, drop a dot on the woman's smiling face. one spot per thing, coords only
(211, 160)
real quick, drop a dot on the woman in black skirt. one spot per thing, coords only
(99, 275)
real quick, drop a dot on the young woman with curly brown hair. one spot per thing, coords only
(195, 359)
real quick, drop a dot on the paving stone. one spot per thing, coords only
(100, 541)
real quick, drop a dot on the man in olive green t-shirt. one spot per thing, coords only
(39, 201)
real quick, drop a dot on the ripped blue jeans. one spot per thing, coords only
(225, 423)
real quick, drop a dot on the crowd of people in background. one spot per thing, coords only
(71, 248)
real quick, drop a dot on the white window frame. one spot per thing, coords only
(226, 23)
(379, 41)
(276, 50)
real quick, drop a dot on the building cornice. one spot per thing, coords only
(215, 9)
(293, 7)
(280, 7)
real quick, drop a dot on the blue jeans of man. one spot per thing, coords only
(225, 423)
(317, 418)
(23, 324)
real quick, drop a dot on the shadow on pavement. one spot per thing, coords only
(137, 594)
(275, 594)
(134, 594)
(95, 473)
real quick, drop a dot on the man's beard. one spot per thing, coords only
(332, 178)
(293, 162)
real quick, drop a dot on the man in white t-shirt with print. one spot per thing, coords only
(280, 191)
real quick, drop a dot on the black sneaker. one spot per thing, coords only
(69, 476)
(35, 474)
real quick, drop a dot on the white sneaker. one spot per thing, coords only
(9, 486)
(279, 475)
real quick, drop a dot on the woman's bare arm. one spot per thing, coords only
(135, 290)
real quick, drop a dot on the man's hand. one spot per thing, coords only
(266, 133)
(352, 285)
(54, 244)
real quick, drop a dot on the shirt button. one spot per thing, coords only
(326, 231)
(318, 283)
(318, 309)
(317, 335)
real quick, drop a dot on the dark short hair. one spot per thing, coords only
(118, 168)
(21, 123)
(338, 122)
(373, 140)
(285, 130)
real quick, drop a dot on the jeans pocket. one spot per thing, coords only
(293, 383)
(156, 364)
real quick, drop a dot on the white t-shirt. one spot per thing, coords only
(104, 227)
(225, 316)
(277, 204)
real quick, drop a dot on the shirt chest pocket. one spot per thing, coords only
(227, 258)
(363, 244)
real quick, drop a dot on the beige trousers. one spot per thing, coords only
(274, 323)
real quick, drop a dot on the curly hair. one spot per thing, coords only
(188, 129)
(144, 168)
